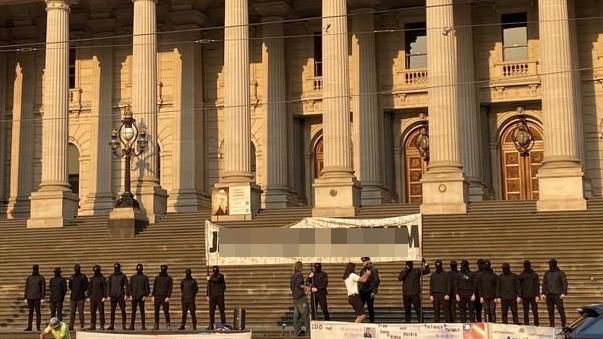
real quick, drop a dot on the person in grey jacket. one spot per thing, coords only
(554, 290)
(139, 290)
(301, 311)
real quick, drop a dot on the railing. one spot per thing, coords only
(514, 69)
(75, 100)
(317, 83)
(414, 77)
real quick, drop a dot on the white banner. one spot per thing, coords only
(332, 330)
(498, 331)
(95, 335)
(325, 240)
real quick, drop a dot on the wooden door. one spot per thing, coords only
(414, 168)
(519, 172)
(319, 162)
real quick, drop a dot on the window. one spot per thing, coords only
(416, 45)
(72, 58)
(73, 159)
(515, 36)
(317, 54)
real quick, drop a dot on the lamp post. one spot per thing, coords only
(128, 141)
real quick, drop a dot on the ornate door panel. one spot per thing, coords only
(319, 163)
(414, 168)
(519, 171)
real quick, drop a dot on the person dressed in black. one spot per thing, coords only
(508, 291)
(530, 291)
(78, 284)
(486, 287)
(319, 281)
(58, 290)
(188, 289)
(97, 294)
(454, 279)
(216, 286)
(139, 290)
(117, 286)
(439, 291)
(368, 290)
(162, 292)
(554, 290)
(35, 292)
(411, 288)
(477, 276)
(466, 289)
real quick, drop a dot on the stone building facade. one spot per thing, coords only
(308, 102)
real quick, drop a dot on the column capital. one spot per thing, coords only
(59, 4)
(268, 9)
(361, 5)
(155, 1)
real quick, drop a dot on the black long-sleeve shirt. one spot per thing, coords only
(373, 282)
(466, 283)
(35, 287)
(117, 285)
(78, 284)
(508, 286)
(486, 285)
(320, 280)
(97, 288)
(163, 286)
(530, 284)
(554, 282)
(139, 286)
(188, 289)
(440, 283)
(58, 288)
(411, 280)
(216, 285)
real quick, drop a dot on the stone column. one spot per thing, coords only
(23, 131)
(53, 205)
(366, 108)
(188, 113)
(4, 128)
(468, 101)
(445, 190)
(237, 111)
(337, 193)
(273, 58)
(560, 178)
(145, 182)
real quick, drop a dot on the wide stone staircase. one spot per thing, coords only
(500, 231)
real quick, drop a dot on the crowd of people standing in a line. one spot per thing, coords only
(115, 291)
(455, 291)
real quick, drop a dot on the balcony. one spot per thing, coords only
(516, 70)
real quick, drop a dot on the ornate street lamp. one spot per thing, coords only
(422, 143)
(128, 141)
(522, 136)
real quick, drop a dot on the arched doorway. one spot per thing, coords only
(414, 168)
(319, 156)
(73, 159)
(519, 170)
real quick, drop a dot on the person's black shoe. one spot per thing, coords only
(91, 328)
(70, 328)
(155, 327)
(143, 328)
(181, 328)
(28, 329)
(131, 328)
(210, 328)
(110, 328)
(194, 327)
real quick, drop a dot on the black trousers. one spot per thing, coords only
(319, 299)
(140, 304)
(478, 309)
(56, 309)
(76, 305)
(439, 305)
(489, 307)
(552, 301)
(122, 307)
(159, 303)
(415, 302)
(189, 306)
(366, 298)
(466, 304)
(94, 306)
(527, 302)
(505, 305)
(451, 309)
(33, 304)
(213, 302)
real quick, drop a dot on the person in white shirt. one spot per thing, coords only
(351, 280)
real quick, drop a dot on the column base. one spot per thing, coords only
(275, 198)
(561, 188)
(153, 202)
(235, 201)
(371, 194)
(477, 191)
(126, 222)
(184, 201)
(97, 204)
(51, 209)
(444, 193)
(336, 197)
(18, 208)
